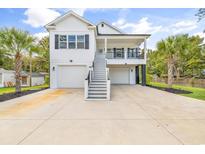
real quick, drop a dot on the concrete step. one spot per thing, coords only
(97, 83)
(98, 80)
(97, 92)
(97, 96)
(97, 88)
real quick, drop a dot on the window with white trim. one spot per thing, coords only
(80, 41)
(71, 41)
(62, 41)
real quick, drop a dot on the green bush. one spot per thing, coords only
(47, 79)
(149, 78)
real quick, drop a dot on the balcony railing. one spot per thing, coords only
(120, 53)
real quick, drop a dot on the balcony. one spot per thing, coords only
(125, 56)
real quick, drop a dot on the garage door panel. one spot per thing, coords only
(71, 76)
(119, 75)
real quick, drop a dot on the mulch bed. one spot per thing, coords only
(171, 90)
(5, 97)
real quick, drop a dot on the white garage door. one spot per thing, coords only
(71, 76)
(119, 75)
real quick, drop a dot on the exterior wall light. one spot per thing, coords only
(53, 68)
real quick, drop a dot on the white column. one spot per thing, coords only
(145, 49)
(105, 45)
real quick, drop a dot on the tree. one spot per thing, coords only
(187, 57)
(200, 14)
(42, 59)
(167, 48)
(15, 42)
(32, 49)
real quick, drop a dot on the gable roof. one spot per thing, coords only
(111, 26)
(62, 17)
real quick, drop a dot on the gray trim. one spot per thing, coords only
(137, 74)
(86, 41)
(143, 69)
(56, 41)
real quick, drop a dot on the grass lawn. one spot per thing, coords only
(12, 89)
(198, 93)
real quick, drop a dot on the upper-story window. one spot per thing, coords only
(63, 42)
(102, 25)
(71, 41)
(80, 41)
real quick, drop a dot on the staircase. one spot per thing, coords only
(98, 87)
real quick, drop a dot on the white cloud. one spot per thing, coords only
(142, 26)
(40, 17)
(182, 26)
(40, 35)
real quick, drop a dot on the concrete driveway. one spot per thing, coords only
(136, 115)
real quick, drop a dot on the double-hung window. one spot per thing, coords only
(71, 41)
(80, 41)
(63, 42)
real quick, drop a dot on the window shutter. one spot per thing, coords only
(114, 49)
(86, 41)
(56, 41)
(128, 52)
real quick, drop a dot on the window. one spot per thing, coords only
(71, 41)
(80, 41)
(102, 25)
(62, 42)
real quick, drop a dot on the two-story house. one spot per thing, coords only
(84, 55)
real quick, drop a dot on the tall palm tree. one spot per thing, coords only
(167, 48)
(15, 41)
(175, 48)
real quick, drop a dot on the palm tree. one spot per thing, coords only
(175, 48)
(15, 41)
(167, 48)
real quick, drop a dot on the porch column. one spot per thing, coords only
(105, 41)
(145, 49)
(137, 74)
(143, 69)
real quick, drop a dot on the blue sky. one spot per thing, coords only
(158, 22)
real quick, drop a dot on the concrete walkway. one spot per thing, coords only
(136, 115)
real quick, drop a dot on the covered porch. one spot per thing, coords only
(125, 50)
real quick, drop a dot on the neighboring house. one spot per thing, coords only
(7, 78)
(36, 79)
(84, 55)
